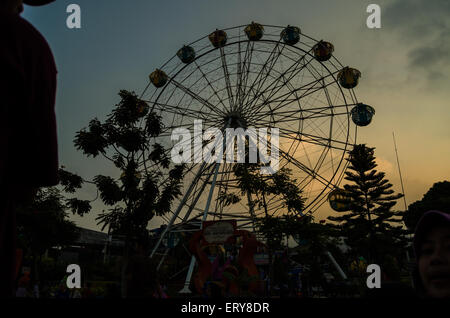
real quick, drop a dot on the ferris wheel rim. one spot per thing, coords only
(347, 144)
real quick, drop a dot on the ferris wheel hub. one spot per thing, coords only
(236, 120)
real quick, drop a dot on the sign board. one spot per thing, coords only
(218, 232)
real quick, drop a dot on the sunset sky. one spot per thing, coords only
(404, 64)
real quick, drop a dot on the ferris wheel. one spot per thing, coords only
(259, 76)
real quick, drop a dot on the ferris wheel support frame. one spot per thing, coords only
(180, 206)
(187, 282)
(186, 217)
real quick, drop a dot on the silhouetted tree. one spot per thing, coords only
(42, 224)
(258, 189)
(371, 226)
(143, 189)
(436, 198)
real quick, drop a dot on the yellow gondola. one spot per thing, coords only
(254, 31)
(339, 200)
(142, 108)
(158, 78)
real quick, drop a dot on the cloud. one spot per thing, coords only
(417, 18)
(384, 165)
(424, 28)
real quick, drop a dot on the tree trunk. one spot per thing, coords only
(371, 254)
(270, 250)
(125, 267)
(36, 267)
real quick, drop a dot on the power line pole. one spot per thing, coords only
(400, 173)
(404, 201)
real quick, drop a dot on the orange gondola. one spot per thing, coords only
(348, 77)
(323, 51)
(218, 38)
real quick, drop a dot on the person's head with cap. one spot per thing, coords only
(432, 249)
(16, 6)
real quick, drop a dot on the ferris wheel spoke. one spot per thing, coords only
(327, 94)
(316, 115)
(294, 65)
(306, 153)
(268, 104)
(313, 174)
(297, 65)
(322, 157)
(332, 112)
(196, 196)
(311, 139)
(285, 97)
(268, 71)
(313, 88)
(265, 69)
(207, 122)
(198, 98)
(168, 131)
(243, 70)
(320, 109)
(176, 110)
(219, 185)
(313, 111)
(210, 85)
(274, 90)
(223, 186)
(227, 78)
(290, 159)
(275, 206)
(239, 74)
(300, 137)
(308, 91)
(287, 116)
(246, 69)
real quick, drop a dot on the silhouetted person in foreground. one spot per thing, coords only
(432, 248)
(28, 146)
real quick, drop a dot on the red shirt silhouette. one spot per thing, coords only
(28, 145)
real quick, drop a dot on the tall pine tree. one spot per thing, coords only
(371, 226)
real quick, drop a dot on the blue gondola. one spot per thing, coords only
(290, 35)
(186, 54)
(362, 114)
